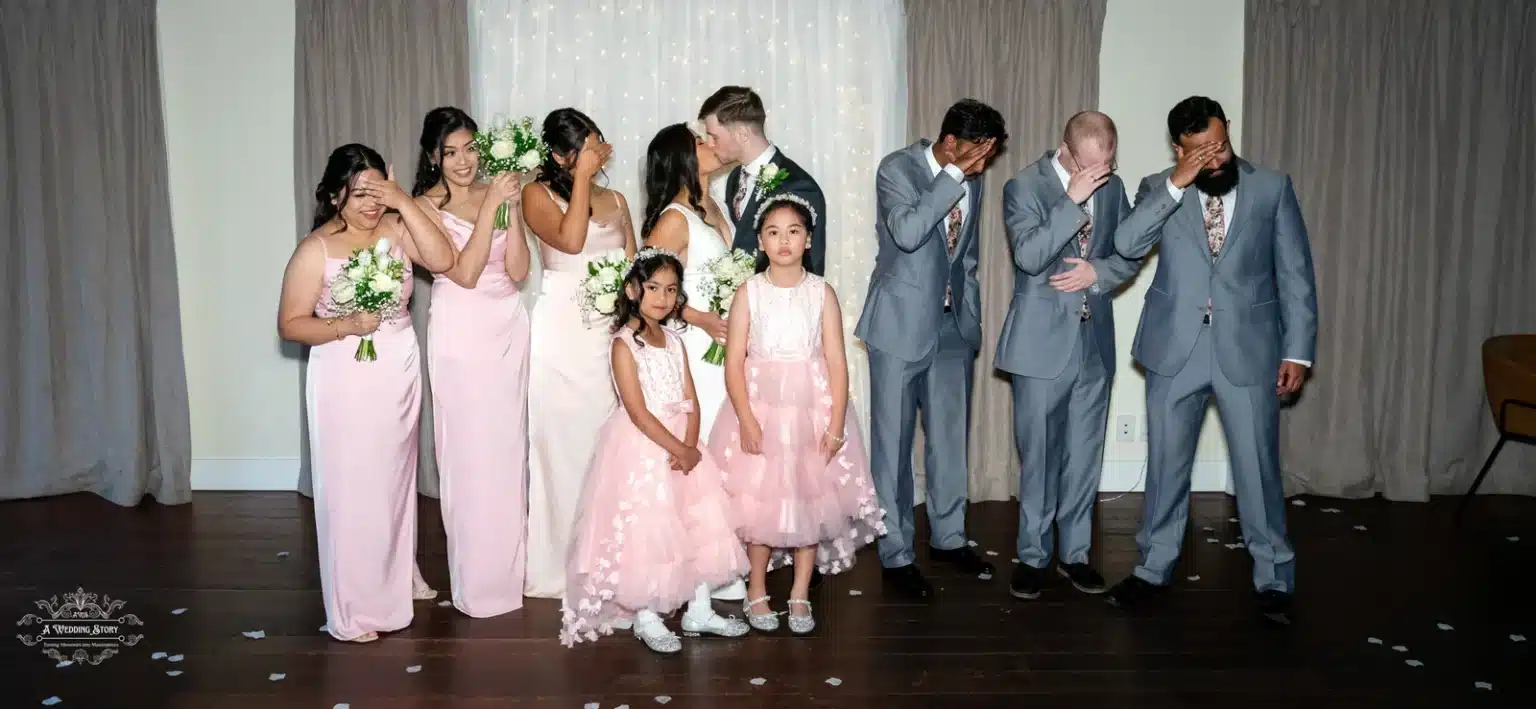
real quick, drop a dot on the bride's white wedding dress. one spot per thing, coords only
(704, 245)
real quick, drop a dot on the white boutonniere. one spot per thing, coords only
(770, 177)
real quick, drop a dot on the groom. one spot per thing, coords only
(734, 118)
(922, 327)
(1231, 313)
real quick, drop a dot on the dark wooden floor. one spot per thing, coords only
(1394, 577)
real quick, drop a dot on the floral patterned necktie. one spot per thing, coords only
(1083, 236)
(1215, 235)
(952, 241)
(740, 201)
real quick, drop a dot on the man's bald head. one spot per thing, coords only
(1090, 139)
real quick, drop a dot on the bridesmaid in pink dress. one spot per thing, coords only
(362, 415)
(477, 354)
(570, 391)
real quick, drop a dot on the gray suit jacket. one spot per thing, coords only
(1041, 329)
(1261, 288)
(905, 305)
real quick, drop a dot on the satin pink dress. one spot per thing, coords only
(477, 354)
(791, 496)
(570, 394)
(646, 535)
(362, 437)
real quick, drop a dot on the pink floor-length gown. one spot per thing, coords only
(362, 430)
(570, 394)
(477, 354)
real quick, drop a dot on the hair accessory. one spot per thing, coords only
(647, 254)
(768, 203)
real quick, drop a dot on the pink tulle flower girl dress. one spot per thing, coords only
(649, 538)
(791, 496)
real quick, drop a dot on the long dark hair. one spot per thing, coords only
(805, 219)
(647, 264)
(565, 131)
(671, 166)
(334, 190)
(435, 128)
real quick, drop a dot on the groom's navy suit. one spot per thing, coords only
(797, 182)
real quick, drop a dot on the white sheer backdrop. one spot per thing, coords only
(831, 72)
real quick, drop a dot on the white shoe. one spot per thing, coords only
(801, 624)
(733, 591)
(715, 625)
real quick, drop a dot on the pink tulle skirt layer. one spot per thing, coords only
(791, 495)
(646, 536)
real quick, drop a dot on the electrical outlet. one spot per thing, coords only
(1125, 428)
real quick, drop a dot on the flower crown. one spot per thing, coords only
(768, 203)
(647, 254)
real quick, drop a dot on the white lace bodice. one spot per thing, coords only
(704, 245)
(786, 322)
(661, 372)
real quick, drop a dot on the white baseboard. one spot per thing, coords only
(245, 474)
(1131, 476)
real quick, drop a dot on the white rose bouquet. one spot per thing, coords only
(603, 287)
(372, 281)
(509, 146)
(722, 276)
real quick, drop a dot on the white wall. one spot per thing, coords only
(227, 76)
(228, 92)
(1155, 53)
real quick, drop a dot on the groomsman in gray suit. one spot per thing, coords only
(922, 327)
(1058, 344)
(1232, 312)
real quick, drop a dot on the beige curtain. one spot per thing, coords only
(1036, 61)
(91, 370)
(367, 71)
(1410, 133)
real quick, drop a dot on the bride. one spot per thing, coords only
(681, 216)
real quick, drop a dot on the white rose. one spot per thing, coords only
(605, 302)
(725, 303)
(381, 283)
(607, 274)
(343, 293)
(364, 258)
(381, 246)
(382, 261)
(529, 161)
(768, 172)
(502, 149)
(355, 273)
(595, 286)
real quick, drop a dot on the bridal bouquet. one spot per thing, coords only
(509, 146)
(722, 276)
(600, 291)
(371, 282)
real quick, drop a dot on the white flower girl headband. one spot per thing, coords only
(649, 253)
(782, 197)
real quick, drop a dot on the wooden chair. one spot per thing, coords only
(1509, 375)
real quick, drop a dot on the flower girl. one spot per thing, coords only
(653, 530)
(795, 467)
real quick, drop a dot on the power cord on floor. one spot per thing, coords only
(1140, 478)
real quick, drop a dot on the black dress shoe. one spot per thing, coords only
(1027, 582)
(1083, 578)
(963, 559)
(1134, 592)
(908, 581)
(1275, 606)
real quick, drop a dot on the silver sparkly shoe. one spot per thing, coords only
(657, 637)
(716, 624)
(801, 624)
(767, 622)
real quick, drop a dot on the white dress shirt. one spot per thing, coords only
(952, 171)
(1228, 211)
(750, 171)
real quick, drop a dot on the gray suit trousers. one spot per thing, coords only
(939, 387)
(1250, 416)
(1058, 425)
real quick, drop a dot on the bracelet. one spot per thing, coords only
(837, 439)
(336, 331)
